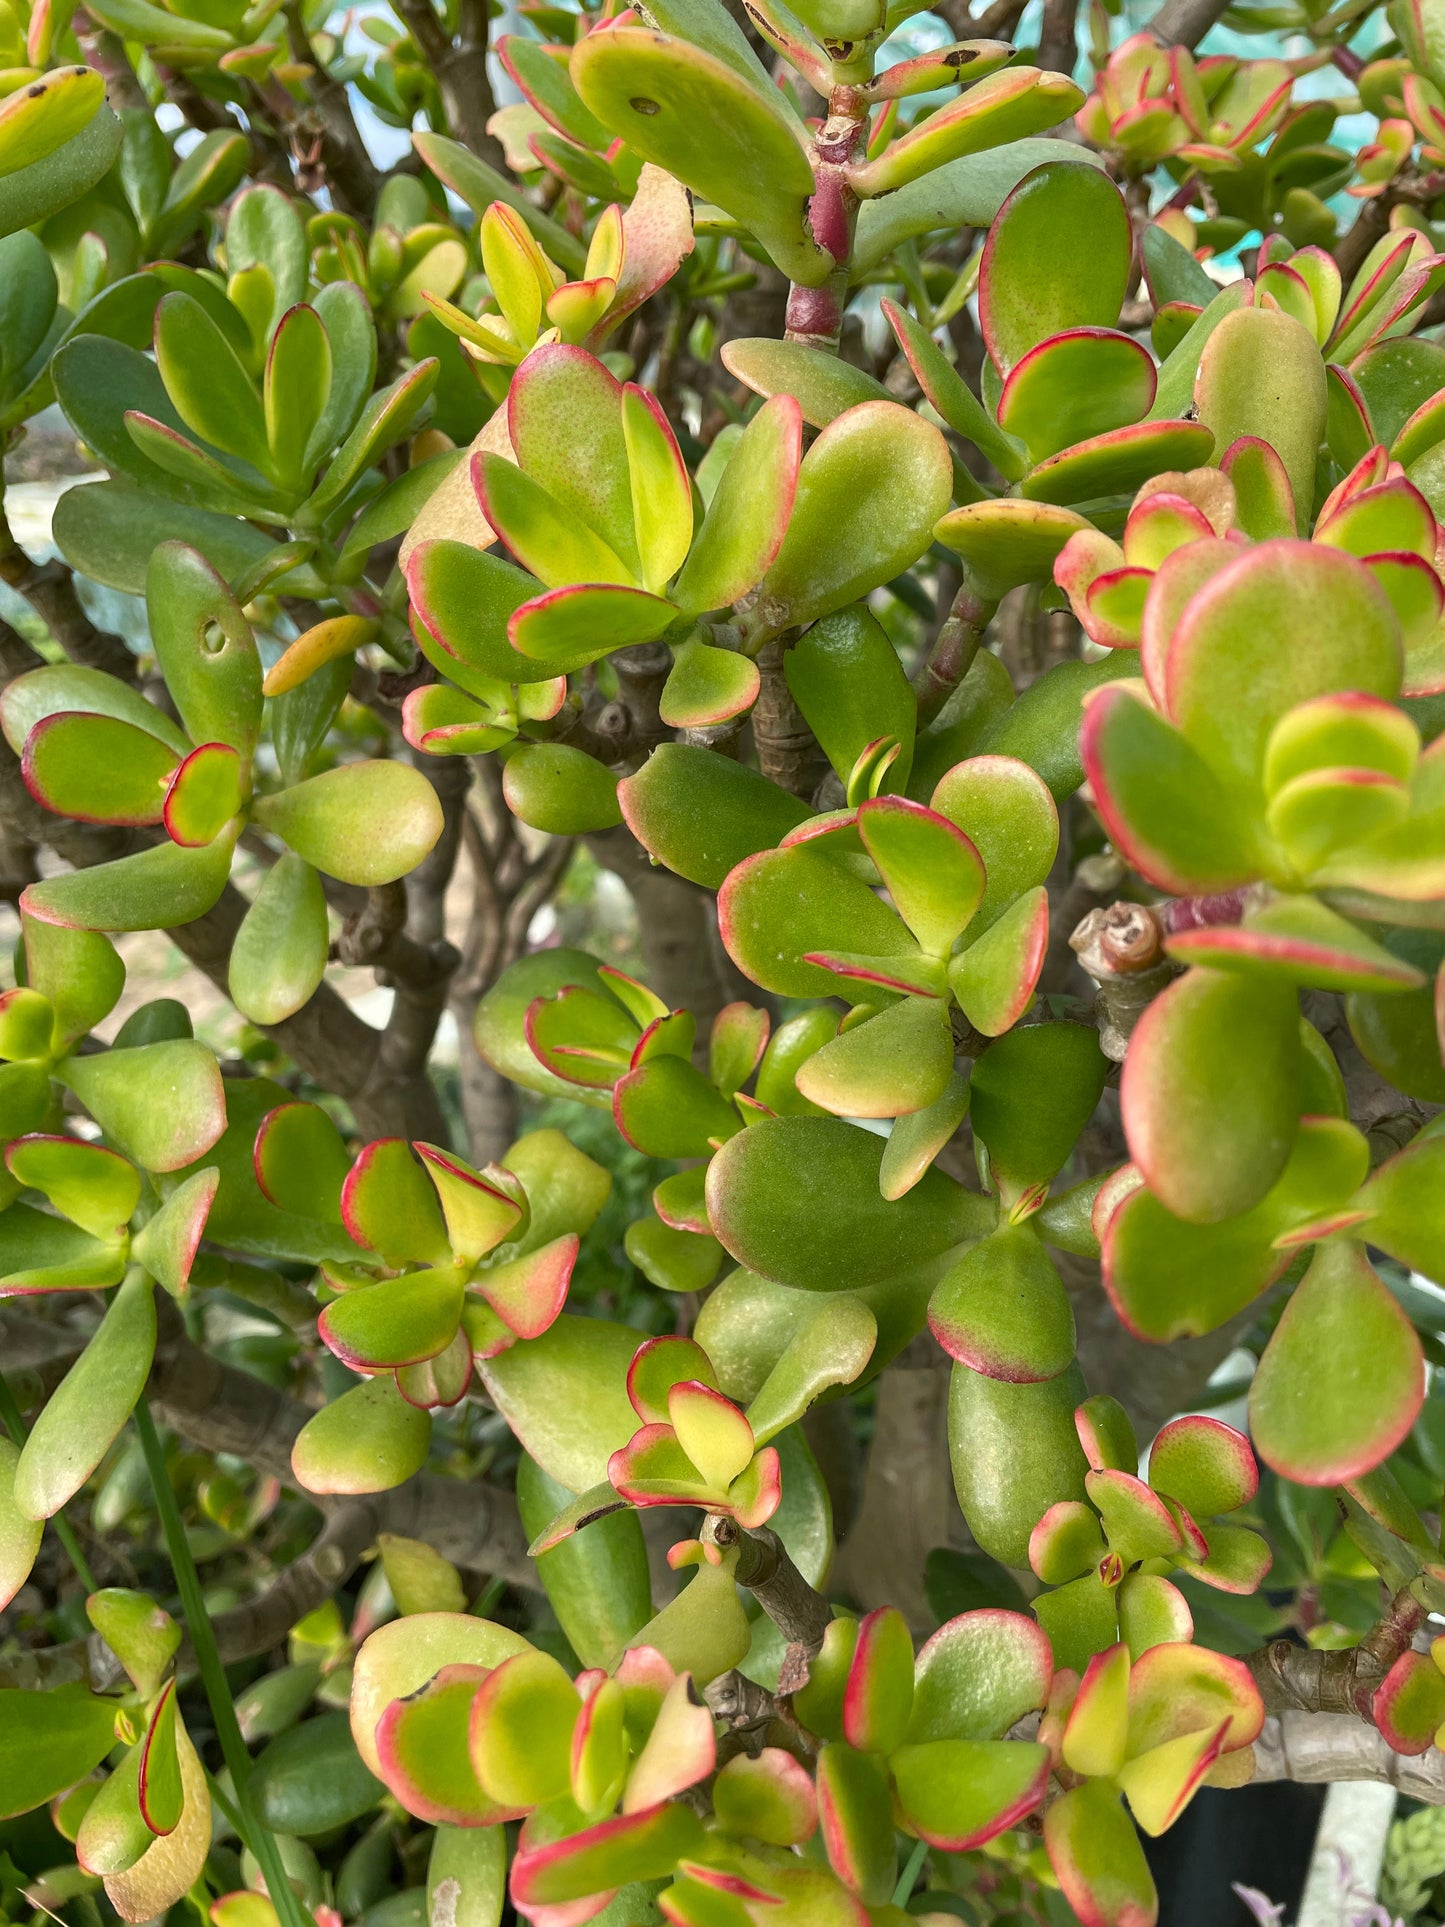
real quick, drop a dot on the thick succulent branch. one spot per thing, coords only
(1325, 1747)
(349, 172)
(788, 752)
(1300, 1679)
(325, 1037)
(459, 67)
(49, 588)
(105, 52)
(1122, 949)
(509, 886)
(1184, 23)
(953, 651)
(800, 1614)
(815, 315)
(1058, 47)
(227, 1411)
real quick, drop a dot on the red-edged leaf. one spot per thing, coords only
(957, 1794)
(481, 1208)
(856, 1821)
(878, 1698)
(389, 1205)
(679, 1751)
(767, 1797)
(204, 794)
(632, 1846)
(1204, 1464)
(528, 1293)
(1409, 1703)
(1210, 1093)
(300, 1161)
(98, 769)
(932, 871)
(660, 1364)
(1343, 1376)
(422, 1753)
(400, 1321)
(1096, 1856)
(1161, 1783)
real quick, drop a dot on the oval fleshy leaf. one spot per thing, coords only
(565, 1396)
(1078, 383)
(1409, 1703)
(423, 1754)
(366, 823)
(300, 1161)
(702, 814)
(1210, 1092)
(97, 769)
(85, 1413)
(19, 1535)
(1204, 1464)
(400, 1321)
(1235, 667)
(870, 490)
(897, 1062)
(398, 1659)
(1096, 1855)
(957, 1794)
(777, 908)
(1164, 807)
(1015, 1453)
(1342, 1378)
(748, 514)
(368, 1440)
(1002, 1309)
(1168, 1279)
(389, 1204)
(768, 1797)
(1057, 255)
(279, 955)
(797, 1199)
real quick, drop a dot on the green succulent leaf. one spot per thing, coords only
(91, 1404)
(772, 1180)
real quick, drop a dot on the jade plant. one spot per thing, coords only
(723, 798)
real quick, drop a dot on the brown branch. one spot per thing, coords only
(49, 588)
(262, 1623)
(206, 115)
(508, 889)
(953, 651)
(1370, 225)
(460, 69)
(1323, 1747)
(222, 1409)
(105, 52)
(788, 752)
(1184, 23)
(1122, 949)
(800, 1614)
(1058, 47)
(350, 175)
(325, 1037)
(1299, 1679)
(226, 1411)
